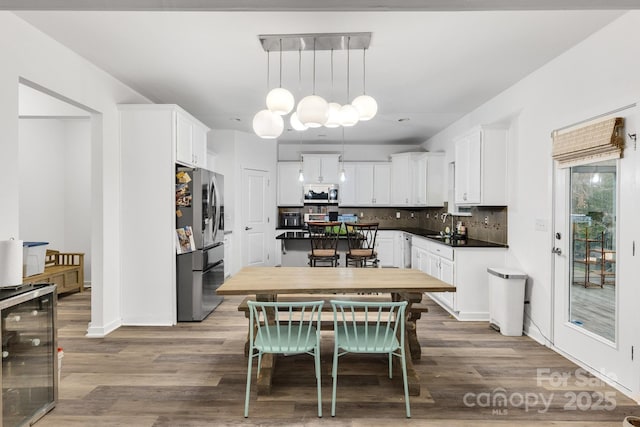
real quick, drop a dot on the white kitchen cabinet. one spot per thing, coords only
(401, 183)
(191, 141)
(465, 268)
(381, 184)
(289, 187)
(348, 190)
(428, 180)
(366, 184)
(385, 247)
(481, 167)
(417, 179)
(149, 132)
(321, 168)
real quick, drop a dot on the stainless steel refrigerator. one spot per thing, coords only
(200, 271)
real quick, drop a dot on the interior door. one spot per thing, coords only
(256, 219)
(595, 291)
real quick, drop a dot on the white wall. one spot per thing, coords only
(598, 75)
(42, 168)
(352, 153)
(77, 187)
(234, 152)
(31, 55)
(55, 189)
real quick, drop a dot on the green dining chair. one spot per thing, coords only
(367, 327)
(284, 328)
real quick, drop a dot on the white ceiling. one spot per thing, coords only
(430, 67)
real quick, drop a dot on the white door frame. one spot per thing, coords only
(611, 362)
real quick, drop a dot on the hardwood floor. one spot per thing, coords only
(194, 374)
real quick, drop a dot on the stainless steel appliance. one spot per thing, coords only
(315, 217)
(201, 271)
(29, 375)
(321, 194)
(290, 219)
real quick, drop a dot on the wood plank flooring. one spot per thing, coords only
(194, 374)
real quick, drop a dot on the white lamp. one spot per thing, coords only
(267, 124)
(366, 106)
(348, 115)
(280, 101)
(313, 111)
(333, 121)
(296, 124)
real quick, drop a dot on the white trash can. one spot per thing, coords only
(506, 300)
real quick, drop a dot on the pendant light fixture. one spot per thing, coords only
(267, 124)
(296, 124)
(333, 121)
(313, 110)
(280, 100)
(349, 116)
(366, 105)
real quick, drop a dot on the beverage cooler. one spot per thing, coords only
(29, 374)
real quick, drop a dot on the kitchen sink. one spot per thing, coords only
(436, 236)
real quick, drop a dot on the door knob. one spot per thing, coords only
(248, 228)
(556, 251)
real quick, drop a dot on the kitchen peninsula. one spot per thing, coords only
(459, 262)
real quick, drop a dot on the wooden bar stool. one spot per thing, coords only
(324, 243)
(362, 242)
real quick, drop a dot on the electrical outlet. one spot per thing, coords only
(361, 214)
(412, 215)
(486, 220)
(397, 215)
(427, 215)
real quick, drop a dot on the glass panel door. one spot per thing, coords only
(592, 303)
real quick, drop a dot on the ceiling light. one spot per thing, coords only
(367, 106)
(267, 124)
(296, 123)
(280, 100)
(313, 110)
(333, 121)
(349, 116)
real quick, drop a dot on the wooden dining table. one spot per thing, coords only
(266, 283)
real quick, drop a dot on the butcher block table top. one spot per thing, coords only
(286, 280)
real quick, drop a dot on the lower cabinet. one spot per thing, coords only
(465, 268)
(385, 247)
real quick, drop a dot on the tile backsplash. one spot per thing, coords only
(494, 230)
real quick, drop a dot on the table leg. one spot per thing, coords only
(411, 345)
(268, 360)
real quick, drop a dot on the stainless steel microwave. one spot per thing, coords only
(321, 193)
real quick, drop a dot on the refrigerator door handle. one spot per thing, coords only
(215, 206)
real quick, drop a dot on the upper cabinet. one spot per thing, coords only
(191, 140)
(481, 167)
(366, 184)
(428, 182)
(321, 168)
(289, 186)
(417, 179)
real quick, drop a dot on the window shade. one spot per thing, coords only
(595, 142)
